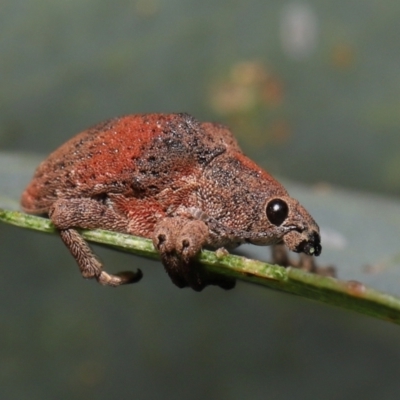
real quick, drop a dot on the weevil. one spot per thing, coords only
(184, 184)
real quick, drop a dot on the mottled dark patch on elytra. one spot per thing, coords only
(182, 149)
(60, 165)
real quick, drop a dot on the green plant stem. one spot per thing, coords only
(346, 294)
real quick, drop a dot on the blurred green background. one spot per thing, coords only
(312, 91)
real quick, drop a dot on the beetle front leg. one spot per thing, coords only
(179, 240)
(280, 256)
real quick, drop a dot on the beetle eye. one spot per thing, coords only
(277, 211)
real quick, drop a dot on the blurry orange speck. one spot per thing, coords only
(343, 56)
(280, 131)
(272, 92)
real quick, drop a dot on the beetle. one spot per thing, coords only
(184, 184)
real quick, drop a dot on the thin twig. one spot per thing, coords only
(346, 294)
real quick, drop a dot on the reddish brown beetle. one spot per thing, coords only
(182, 183)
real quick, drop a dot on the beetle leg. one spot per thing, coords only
(88, 263)
(179, 240)
(280, 256)
(67, 214)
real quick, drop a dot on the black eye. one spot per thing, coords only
(277, 211)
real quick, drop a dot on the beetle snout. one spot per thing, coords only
(308, 242)
(311, 246)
